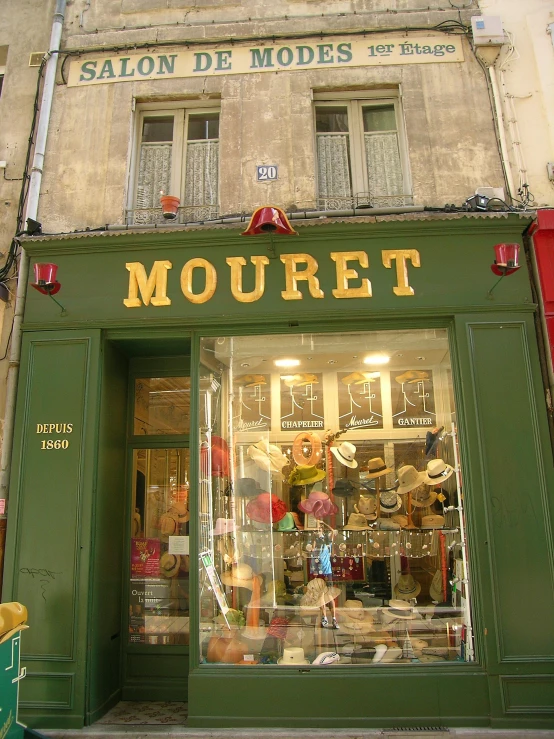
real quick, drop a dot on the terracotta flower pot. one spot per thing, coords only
(170, 205)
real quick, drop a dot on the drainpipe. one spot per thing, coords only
(31, 212)
(501, 131)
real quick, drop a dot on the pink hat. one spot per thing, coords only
(318, 504)
(266, 508)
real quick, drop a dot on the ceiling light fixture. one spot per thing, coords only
(286, 362)
(377, 359)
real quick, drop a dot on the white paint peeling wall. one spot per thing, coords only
(525, 69)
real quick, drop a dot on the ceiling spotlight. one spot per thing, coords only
(286, 362)
(245, 364)
(377, 359)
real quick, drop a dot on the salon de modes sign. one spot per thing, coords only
(359, 52)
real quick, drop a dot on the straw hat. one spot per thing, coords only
(423, 498)
(318, 504)
(356, 522)
(400, 519)
(305, 474)
(318, 594)
(435, 589)
(240, 576)
(409, 478)
(376, 468)
(407, 588)
(267, 456)
(293, 656)
(266, 508)
(437, 471)
(397, 609)
(432, 522)
(345, 454)
(367, 504)
(390, 501)
(169, 564)
(355, 619)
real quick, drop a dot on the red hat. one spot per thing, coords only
(220, 456)
(266, 508)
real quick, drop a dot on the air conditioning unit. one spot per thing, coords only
(487, 30)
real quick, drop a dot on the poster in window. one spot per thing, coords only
(145, 557)
(252, 403)
(360, 404)
(301, 401)
(413, 399)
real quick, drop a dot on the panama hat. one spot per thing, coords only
(318, 504)
(318, 594)
(423, 498)
(407, 588)
(437, 471)
(356, 522)
(397, 609)
(390, 501)
(432, 522)
(266, 508)
(267, 456)
(169, 564)
(408, 479)
(248, 487)
(240, 576)
(376, 468)
(305, 474)
(293, 656)
(345, 454)
(224, 526)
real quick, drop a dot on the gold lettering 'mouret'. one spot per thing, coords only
(186, 280)
(401, 255)
(344, 274)
(292, 276)
(236, 264)
(152, 289)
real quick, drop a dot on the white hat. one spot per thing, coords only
(437, 471)
(267, 456)
(409, 478)
(293, 656)
(345, 453)
(390, 502)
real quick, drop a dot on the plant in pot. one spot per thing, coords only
(170, 206)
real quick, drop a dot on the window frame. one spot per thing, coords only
(354, 102)
(180, 111)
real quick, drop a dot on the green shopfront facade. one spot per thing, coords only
(152, 421)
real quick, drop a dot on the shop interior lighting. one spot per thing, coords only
(286, 362)
(377, 359)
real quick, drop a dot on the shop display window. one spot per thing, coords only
(330, 501)
(162, 406)
(159, 554)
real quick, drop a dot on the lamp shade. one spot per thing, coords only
(269, 219)
(45, 278)
(507, 259)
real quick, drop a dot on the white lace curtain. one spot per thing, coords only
(333, 166)
(201, 179)
(154, 174)
(383, 164)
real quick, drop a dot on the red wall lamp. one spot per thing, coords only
(506, 262)
(46, 283)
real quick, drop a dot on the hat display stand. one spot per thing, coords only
(410, 524)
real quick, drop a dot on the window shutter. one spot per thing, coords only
(201, 180)
(333, 166)
(386, 185)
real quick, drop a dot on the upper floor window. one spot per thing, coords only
(177, 154)
(361, 153)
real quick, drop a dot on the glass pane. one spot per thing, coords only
(331, 547)
(162, 405)
(159, 559)
(379, 118)
(331, 119)
(157, 129)
(203, 126)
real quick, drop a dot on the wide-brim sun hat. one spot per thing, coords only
(345, 453)
(376, 467)
(437, 471)
(266, 508)
(408, 479)
(398, 609)
(267, 456)
(318, 593)
(240, 576)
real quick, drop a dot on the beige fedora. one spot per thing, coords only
(437, 471)
(356, 522)
(397, 609)
(376, 467)
(423, 498)
(170, 564)
(407, 588)
(408, 479)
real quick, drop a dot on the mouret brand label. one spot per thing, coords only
(298, 269)
(331, 52)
